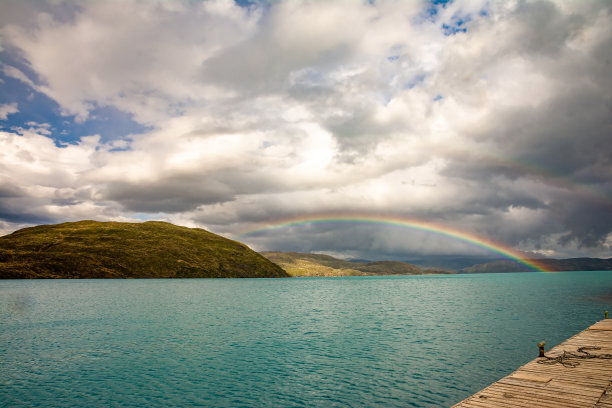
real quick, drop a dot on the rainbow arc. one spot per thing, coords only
(469, 238)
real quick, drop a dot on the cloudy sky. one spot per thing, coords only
(489, 117)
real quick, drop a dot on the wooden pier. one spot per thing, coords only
(576, 373)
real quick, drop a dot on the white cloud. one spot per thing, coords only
(144, 68)
(8, 109)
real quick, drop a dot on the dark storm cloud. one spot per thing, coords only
(588, 223)
(10, 190)
(545, 30)
(170, 195)
(17, 207)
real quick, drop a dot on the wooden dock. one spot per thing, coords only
(576, 373)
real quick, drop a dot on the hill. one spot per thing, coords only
(301, 264)
(91, 249)
(570, 264)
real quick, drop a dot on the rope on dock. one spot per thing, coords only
(566, 358)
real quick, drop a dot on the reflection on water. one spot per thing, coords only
(16, 304)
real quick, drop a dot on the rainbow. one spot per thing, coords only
(418, 225)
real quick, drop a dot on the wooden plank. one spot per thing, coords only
(582, 381)
(556, 386)
(530, 377)
(509, 399)
(601, 325)
(548, 394)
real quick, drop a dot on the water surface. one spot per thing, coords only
(421, 341)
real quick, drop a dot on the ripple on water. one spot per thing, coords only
(386, 342)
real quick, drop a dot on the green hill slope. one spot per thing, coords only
(301, 264)
(91, 249)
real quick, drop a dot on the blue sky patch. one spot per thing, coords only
(415, 81)
(37, 110)
(452, 30)
(433, 7)
(457, 24)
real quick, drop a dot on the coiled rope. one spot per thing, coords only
(567, 358)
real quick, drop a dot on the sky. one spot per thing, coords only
(492, 118)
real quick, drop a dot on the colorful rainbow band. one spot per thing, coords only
(468, 238)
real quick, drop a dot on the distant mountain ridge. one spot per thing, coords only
(303, 264)
(449, 262)
(153, 249)
(570, 264)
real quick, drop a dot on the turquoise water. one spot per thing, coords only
(414, 341)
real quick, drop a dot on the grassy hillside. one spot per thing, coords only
(91, 249)
(300, 264)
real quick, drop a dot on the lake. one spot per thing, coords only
(401, 341)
